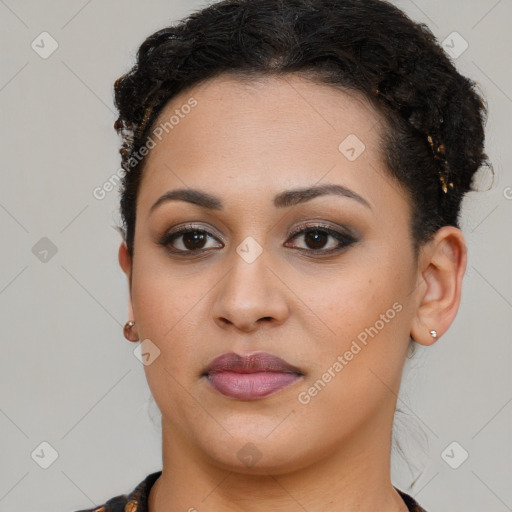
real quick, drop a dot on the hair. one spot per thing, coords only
(433, 136)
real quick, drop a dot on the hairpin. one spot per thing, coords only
(444, 175)
(142, 125)
(438, 148)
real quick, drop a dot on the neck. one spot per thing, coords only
(353, 478)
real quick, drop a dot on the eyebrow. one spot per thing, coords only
(282, 200)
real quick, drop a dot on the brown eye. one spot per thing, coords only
(188, 240)
(316, 238)
(194, 240)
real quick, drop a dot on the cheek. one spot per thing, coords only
(365, 328)
(357, 365)
(163, 298)
(353, 298)
(165, 308)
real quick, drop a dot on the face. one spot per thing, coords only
(322, 280)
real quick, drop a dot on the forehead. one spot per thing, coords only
(262, 136)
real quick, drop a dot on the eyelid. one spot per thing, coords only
(185, 228)
(310, 224)
(344, 236)
(318, 224)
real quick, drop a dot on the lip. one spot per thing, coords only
(250, 377)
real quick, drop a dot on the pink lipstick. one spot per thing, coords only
(250, 377)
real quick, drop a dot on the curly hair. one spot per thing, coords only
(434, 138)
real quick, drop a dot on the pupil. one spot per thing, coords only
(190, 240)
(316, 238)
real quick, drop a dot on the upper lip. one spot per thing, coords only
(251, 363)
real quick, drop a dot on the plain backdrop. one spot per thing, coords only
(68, 378)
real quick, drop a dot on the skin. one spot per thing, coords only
(245, 143)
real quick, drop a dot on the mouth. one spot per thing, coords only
(250, 377)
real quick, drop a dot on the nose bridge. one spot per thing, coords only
(250, 290)
(250, 261)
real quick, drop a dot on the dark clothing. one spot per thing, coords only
(137, 500)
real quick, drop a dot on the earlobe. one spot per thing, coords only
(125, 261)
(438, 296)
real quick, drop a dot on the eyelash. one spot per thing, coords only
(345, 239)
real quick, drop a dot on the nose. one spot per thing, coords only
(250, 297)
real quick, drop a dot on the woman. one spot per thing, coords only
(294, 171)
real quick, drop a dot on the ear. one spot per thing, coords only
(442, 265)
(125, 261)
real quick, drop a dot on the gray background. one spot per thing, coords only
(68, 377)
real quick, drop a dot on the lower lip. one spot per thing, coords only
(250, 386)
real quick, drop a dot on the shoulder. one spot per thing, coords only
(135, 501)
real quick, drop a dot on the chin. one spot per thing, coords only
(253, 458)
(250, 453)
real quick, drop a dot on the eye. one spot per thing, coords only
(193, 239)
(317, 237)
(187, 239)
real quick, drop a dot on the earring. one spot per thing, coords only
(433, 334)
(127, 331)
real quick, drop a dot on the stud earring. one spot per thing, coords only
(128, 333)
(433, 334)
